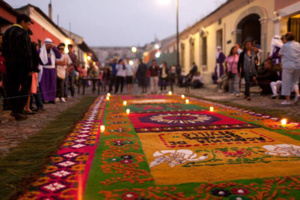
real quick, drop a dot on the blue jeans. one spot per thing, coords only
(234, 84)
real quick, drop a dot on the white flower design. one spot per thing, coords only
(66, 164)
(283, 150)
(60, 174)
(54, 186)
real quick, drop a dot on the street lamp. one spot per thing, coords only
(177, 25)
(134, 49)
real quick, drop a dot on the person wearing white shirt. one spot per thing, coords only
(290, 53)
(121, 74)
(197, 80)
(61, 69)
(129, 76)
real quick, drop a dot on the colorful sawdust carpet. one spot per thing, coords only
(166, 149)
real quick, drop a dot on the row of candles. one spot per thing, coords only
(187, 101)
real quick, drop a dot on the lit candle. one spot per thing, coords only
(108, 94)
(128, 111)
(107, 98)
(170, 93)
(182, 96)
(124, 103)
(283, 122)
(211, 109)
(187, 101)
(102, 128)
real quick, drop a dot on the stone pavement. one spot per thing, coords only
(12, 132)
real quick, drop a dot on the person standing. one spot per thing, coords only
(113, 65)
(154, 70)
(129, 76)
(141, 75)
(61, 72)
(18, 62)
(48, 55)
(247, 67)
(120, 76)
(290, 53)
(219, 69)
(231, 65)
(72, 69)
(163, 74)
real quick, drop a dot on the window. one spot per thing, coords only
(204, 50)
(294, 27)
(192, 51)
(220, 38)
(182, 55)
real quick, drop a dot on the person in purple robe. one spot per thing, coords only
(48, 54)
(219, 69)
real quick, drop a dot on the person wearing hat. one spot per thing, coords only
(18, 60)
(48, 55)
(219, 69)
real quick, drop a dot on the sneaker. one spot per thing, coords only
(296, 99)
(63, 100)
(56, 99)
(274, 96)
(286, 103)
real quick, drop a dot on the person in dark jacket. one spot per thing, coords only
(154, 70)
(266, 76)
(141, 75)
(18, 60)
(247, 68)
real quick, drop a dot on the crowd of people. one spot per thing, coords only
(278, 75)
(32, 75)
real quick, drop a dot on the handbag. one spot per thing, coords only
(230, 74)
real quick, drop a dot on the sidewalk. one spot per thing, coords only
(13, 133)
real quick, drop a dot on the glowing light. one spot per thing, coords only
(157, 55)
(134, 49)
(89, 58)
(108, 94)
(211, 109)
(164, 2)
(131, 62)
(187, 101)
(156, 46)
(283, 122)
(102, 128)
(124, 103)
(128, 111)
(170, 93)
(182, 96)
(107, 98)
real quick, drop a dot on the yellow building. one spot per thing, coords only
(231, 23)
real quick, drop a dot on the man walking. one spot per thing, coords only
(113, 65)
(18, 61)
(72, 69)
(154, 70)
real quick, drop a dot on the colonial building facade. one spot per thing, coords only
(234, 22)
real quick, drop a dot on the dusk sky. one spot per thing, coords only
(123, 22)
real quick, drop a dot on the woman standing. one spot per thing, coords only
(232, 71)
(163, 76)
(290, 53)
(247, 67)
(121, 74)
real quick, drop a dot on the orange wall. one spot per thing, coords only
(7, 15)
(279, 4)
(39, 33)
